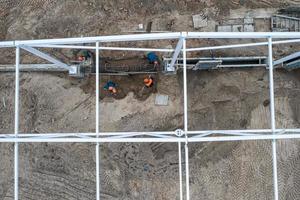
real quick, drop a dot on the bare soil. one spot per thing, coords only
(217, 100)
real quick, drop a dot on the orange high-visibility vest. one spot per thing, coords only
(149, 83)
(112, 90)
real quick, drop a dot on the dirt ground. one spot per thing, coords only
(217, 100)
(223, 99)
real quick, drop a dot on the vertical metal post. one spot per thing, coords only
(187, 176)
(16, 153)
(180, 170)
(187, 173)
(97, 124)
(273, 122)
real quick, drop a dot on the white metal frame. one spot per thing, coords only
(46, 57)
(177, 136)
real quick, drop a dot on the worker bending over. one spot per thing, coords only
(111, 87)
(152, 58)
(148, 81)
(84, 55)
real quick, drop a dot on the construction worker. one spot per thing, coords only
(83, 55)
(111, 87)
(152, 58)
(148, 81)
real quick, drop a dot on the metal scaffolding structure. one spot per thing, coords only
(184, 136)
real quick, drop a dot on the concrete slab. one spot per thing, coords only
(161, 100)
(224, 28)
(199, 21)
(237, 28)
(237, 25)
(248, 28)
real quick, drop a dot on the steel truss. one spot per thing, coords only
(178, 136)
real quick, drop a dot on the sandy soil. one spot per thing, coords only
(217, 100)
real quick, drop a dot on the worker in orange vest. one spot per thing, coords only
(111, 87)
(148, 81)
(113, 90)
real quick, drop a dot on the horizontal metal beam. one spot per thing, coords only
(242, 45)
(102, 48)
(239, 35)
(168, 50)
(63, 46)
(151, 139)
(153, 36)
(91, 134)
(112, 38)
(243, 131)
(7, 44)
(33, 68)
(193, 136)
(87, 134)
(228, 46)
(205, 59)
